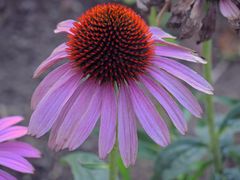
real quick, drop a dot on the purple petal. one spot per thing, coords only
(9, 121)
(87, 122)
(107, 134)
(15, 162)
(57, 55)
(229, 9)
(167, 103)
(55, 131)
(65, 26)
(127, 129)
(5, 176)
(47, 83)
(148, 116)
(171, 50)
(12, 133)
(20, 148)
(184, 73)
(72, 114)
(51, 105)
(178, 90)
(158, 33)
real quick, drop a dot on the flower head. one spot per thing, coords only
(188, 17)
(117, 65)
(13, 153)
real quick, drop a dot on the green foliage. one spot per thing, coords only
(147, 148)
(232, 173)
(230, 118)
(180, 158)
(226, 100)
(129, 2)
(86, 166)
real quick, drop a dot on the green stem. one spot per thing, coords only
(214, 137)
(113, 167)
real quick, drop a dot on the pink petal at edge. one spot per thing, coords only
(51, 105)
(5, 176)
(107, 134)
(15, 162)
(47, 83)
(184, 73)
(65, 26)
(171, 50)
(9, 121)
(229, 9)
(158, 33)
(76, 107)
(167, 102)
(57, 55)
(178, 90)
(20, 148)
(12, 133)
(148, 116)
(127, 128)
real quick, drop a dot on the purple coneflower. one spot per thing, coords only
(13, 153)
(117, 65)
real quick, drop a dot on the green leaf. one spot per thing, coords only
(86, 166)
(230, 117)
(153, 17)
(232, 152)
(232, 173)
(147, 148)
(179, 158)
(226, 100)
(129, 2)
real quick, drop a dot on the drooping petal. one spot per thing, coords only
(87, 122)
(20, 148)
(51, 105)
(127, 129)
(167, 103)
(171, 50)
(158, 33)
(55, 131)
(107, 132)
(57, 55)
(178, 90)
(76, 107)
(65, 26)
(15, 162)
(229, 9)
(184, 73)
(5, 176)
(148, 116)
(12, 133)
(47, 83)
(9, 121)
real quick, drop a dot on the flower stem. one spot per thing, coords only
(113, 168)
(214, 137)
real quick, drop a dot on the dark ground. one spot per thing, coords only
(26, 38)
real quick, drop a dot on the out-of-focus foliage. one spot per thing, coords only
(180, 158)
(129, 2)
(86, 166)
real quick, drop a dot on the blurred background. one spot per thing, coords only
(27, 38)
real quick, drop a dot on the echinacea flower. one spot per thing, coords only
(13, 153)
(117, 65)
(187, 17)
